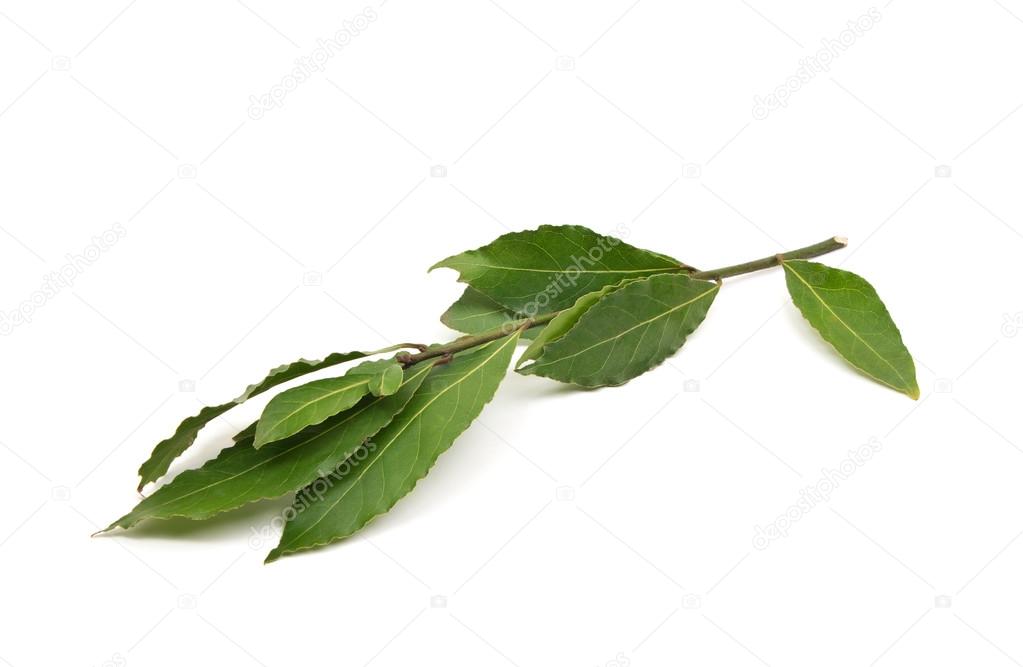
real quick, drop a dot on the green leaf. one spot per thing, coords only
(307, 405)
(385, 375)
(475, 313)
(292, 411)
(627, 332)
(402, 453)
(166, 451)
(564, 322)
(846, 311)
(242, 474)
(547, 269)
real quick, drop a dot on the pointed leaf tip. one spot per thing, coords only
(564, 322)
(165, 452)
(475, 313)
(242, 474)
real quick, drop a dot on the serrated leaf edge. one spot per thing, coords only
(160, 459)
(426, 368)
(556, 228)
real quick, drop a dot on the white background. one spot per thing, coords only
(635, 113)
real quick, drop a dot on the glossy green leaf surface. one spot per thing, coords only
(475, 313)
(564, 322)
(242, 474)
(847, 312)
(166, 451)
(307, 405)
(385, 375)
(547, 269)
(397, 457)
(627, 332)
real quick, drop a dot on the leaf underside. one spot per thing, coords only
(242, 474)
(396, 458)
(547, 269)
(627, 332)
(165, 452)
(847, 312)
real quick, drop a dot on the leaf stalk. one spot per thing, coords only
(815, 250)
